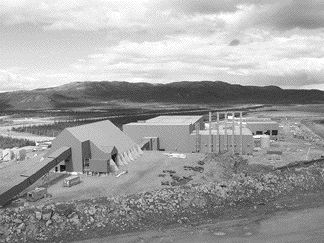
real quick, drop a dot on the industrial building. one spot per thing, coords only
(223, 140)
(170, 133)
(259, 127)
(95, 147)
(191, 134)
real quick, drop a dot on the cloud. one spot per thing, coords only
(291, 14)
(12, 80)
(144, 14)
(278, 42)
(201, 58)
(79, 15)
(234, 42)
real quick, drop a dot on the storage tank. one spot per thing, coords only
(265, 141)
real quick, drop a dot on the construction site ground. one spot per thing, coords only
(11, 170)
(144, 174)
(296, 141)
(149, 172)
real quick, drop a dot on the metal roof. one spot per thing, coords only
(173, 120)
(57, 152)
(261, 122)
(103, 134)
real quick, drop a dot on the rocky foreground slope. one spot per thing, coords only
(180, 205)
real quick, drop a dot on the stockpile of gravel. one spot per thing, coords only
(104, 216)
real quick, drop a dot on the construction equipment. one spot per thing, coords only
(36, 194)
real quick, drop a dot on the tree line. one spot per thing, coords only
(9, 142)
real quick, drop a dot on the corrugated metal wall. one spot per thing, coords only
(65, 138)
(219, 143)
(171, 137)
(97, 165)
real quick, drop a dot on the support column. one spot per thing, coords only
(241, 135)
(225, 138)
(197, 138)
(233, 129)
(218, 148)
(210, 143)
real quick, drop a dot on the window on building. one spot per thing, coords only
(62, 168)
(274, 132)
(86, 162)
(259, 132)
(267, 132)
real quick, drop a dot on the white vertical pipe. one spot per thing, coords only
(225, 138)
(210, 150)
(197, 138)
(241, 134)
(218, 140)
(233, 128)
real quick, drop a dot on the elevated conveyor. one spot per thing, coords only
(21, 182)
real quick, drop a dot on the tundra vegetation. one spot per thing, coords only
(8, 142)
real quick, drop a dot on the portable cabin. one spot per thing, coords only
(71, 181)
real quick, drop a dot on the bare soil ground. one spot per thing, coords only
(143, 175)
(12, 169)
(296, 141)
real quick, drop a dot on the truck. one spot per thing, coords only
(36, 194)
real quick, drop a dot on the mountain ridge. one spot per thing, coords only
(92, 93)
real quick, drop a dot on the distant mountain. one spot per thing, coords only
(81, 94)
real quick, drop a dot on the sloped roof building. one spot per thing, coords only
(94, 144)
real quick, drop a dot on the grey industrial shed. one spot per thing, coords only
(94, 142)
(172, 133)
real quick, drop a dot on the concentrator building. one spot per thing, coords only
(95, 147)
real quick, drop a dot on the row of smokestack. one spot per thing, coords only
(210, 143)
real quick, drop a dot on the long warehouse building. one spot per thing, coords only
(170, 133)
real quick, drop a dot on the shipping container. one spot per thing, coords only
(71, 181)
(36, 194)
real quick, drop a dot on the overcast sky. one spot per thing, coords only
(260, 42)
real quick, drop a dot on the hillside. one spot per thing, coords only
(81, 94)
